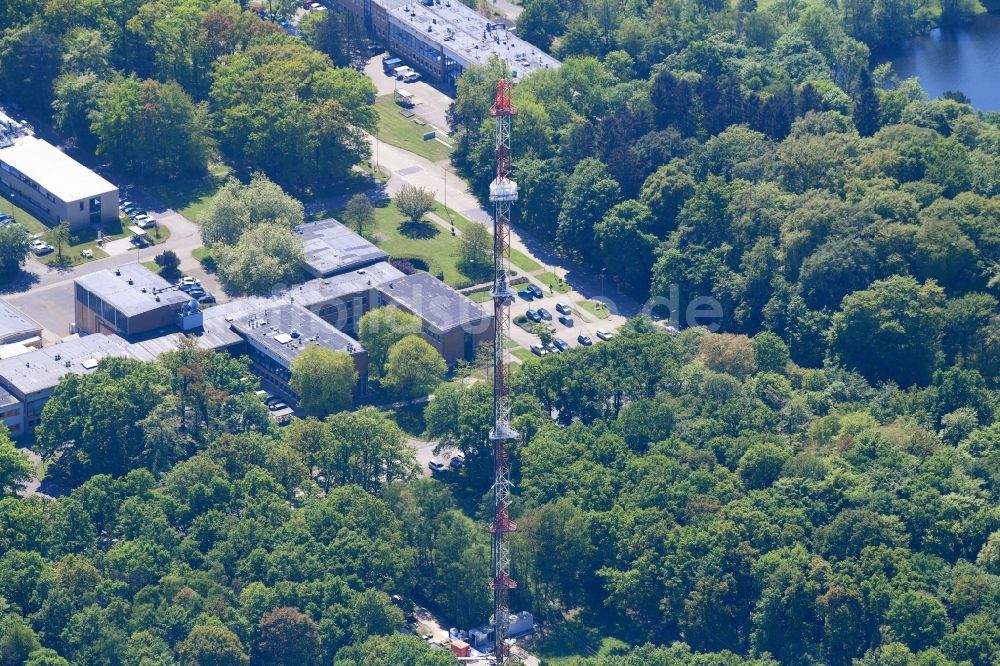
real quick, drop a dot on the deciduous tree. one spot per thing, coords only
(324, 380)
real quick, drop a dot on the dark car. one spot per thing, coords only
(526, 294)
(197, 292)
(584, 340)
(562, 308)
(544, 314)
(456, 462)
(533, 316)
(561, 344)
(536, 290)
(552, 348)
(206, 299)
(566, 320)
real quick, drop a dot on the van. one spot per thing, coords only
(389, 65)
(402, 72)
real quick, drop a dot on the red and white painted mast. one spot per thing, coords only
(503, 193)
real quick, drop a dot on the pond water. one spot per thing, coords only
(965, 59)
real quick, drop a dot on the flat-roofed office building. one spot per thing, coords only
(442, 38)
(132, 301)
(16, 328)
(50, 184)
(27, 381)
(277, 333)
(331, 248)
(451, 323)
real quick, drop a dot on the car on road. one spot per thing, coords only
(604, 334)
(526, 294)
(436, 466)
(544, 314)
(584, 339)
(566, 320)
(536, 290)
(561, 344)
(533, 315)
(538, 350)
(562, 308)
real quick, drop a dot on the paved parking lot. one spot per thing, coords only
(431, 104)
(583, 321)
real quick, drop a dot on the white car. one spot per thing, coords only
(604, 334)
(413, 77)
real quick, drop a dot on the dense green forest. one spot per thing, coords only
(704, 494)
(158, 87)
(749, 155)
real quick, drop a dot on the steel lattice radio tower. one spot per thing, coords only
(503, 192)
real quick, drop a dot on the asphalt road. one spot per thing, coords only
(431, 103)
(45, 293)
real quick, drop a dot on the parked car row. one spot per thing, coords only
(559, 345)
(531, 292)
(192, 287)
(456, 463)
(139, 217)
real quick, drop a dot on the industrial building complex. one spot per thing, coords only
(442, 38)
(50, 184)
(130, 312)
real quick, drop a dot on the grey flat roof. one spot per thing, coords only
(40, 369)
(217, 330)
(462, 34)
(15, 326)
(332, 248)
(112, 286)
(54, 170)
(433, 301)
(284, 329)
(324, 290)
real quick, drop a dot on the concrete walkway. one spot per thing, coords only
(406, 168)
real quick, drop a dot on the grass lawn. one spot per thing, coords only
(23, 217)
(479, 296)
(523, 354)
(204, 256)
(596, 308)
(553, 282)
(402, 132)
(426, 242)
(152, 266)
(577, 636)
(87, 240)
(191, 197)
(518, 258)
